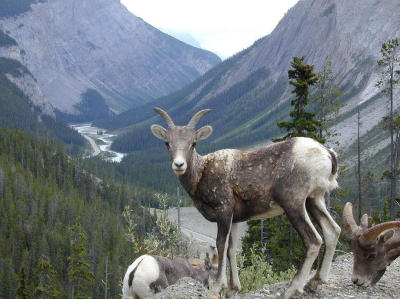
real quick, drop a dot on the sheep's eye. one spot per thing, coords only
(167, 144)
(194, 145)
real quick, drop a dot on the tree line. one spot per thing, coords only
(59, 224)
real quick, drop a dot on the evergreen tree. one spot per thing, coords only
(80, 275)
(390, 78)
(325, 101)
(303, 122)
(47, 276)
(22, 288)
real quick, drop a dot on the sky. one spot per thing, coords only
(224, 27)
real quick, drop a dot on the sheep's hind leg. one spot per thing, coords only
(331, 231)
(312, 242)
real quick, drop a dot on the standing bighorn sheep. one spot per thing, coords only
(149, 274)
(230, 186)
(373, 248)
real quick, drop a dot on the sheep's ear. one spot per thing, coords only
(159, 132)
(203, 132)
(386, 235)
(364, 221)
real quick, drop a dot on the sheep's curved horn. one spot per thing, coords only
(165, 116)
(370, 235)
(195, 119)
(364, 221)
(350, 225)
(394, 241)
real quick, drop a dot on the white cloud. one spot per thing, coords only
(221, 26)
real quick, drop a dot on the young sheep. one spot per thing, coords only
(230, 186)
(149, 274)
(373, 248)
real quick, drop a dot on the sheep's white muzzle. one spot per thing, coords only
(179, 165)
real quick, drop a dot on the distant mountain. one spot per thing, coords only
(249, 92)
(74, 47)
(185, 37)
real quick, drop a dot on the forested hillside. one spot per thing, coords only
(50, 208)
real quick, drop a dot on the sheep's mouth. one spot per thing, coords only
(179, 171)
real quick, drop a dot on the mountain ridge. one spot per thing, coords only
(250, 92)
(74, 46)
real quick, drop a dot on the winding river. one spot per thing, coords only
(91, 134)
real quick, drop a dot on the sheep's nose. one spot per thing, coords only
(355, 280)
(179, 165)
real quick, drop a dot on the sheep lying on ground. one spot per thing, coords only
(149, 274)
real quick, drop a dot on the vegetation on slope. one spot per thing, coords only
(6, 41)
(10, 8)
(43, 195)
(92, 106)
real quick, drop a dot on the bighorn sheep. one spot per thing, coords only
(149, 274)
(373, 248)
(230, 186)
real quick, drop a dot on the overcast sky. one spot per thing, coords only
(224, 27)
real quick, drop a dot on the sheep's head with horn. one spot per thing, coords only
(181, 140)
(374, 248)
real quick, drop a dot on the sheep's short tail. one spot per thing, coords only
(333, 184)
(334, 160)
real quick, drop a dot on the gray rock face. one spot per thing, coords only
(79, 44)
(28, 85)
(26, 82)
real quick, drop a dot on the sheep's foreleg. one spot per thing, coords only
(233, 240)
(224, 229)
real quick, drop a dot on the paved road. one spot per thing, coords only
(195, 225)
(95, 147)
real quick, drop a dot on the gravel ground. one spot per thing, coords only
(338, 286)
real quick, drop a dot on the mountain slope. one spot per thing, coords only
(249, 93)
(22, 104)
(78, 45)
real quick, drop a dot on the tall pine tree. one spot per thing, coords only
(303, 122)
(80, 275)
(22, 288)
(48, 285)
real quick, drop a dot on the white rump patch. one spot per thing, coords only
(316, 159)
(147, 272)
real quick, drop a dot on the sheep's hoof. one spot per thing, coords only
(312, 284)
(289, 294)
(231, 293)
(219, 289)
